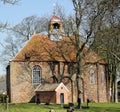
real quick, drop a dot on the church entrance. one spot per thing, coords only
(62, 99)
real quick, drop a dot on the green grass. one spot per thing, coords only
(30, 107)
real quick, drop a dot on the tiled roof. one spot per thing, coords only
(41, 48)
(47, 87)
(51, 87)
(55, 19)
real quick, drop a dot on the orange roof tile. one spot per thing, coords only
(55, 18)
(47, 87)
(50, 87)
(41, 48)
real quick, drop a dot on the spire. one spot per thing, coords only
(54, 5)
(55, 26)
(54, 17)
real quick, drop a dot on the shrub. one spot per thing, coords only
(3, 98)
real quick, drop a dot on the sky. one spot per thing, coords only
(25, 8)
(14, 14)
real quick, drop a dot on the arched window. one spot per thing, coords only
(102, 77)
(92, 77)
(36, 79)
(56, 68)
(66, 68)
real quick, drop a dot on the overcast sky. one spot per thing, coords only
(14, 14)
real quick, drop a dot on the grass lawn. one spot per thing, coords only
(30, 107)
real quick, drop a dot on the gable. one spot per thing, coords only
(41, 48)
(51, 87)
(61, 85)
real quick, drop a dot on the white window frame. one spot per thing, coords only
(92, 76)
(102, 76)
(36, 74)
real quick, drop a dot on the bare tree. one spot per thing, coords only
(19, 34)
(107, 45)
(3, 26)
(8, 47)
(13, 2)
(107, 41)
(26, 28)
(86, 19)
(91, 16)
(10, 1)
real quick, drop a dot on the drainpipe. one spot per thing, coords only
(72, 90)
(97, 66)
(83, 99)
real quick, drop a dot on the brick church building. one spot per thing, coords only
(44, 70)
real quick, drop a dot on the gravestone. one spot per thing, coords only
(51, 110)
(70, 110)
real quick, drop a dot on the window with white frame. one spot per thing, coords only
(92, 76)
(102, 76)
(36, 76)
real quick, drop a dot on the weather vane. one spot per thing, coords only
(54, 6)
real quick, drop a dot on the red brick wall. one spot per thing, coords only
(53, 96)
(47, 96)
(96, 92)
(102, 84)
(66, 94)
(22, 89)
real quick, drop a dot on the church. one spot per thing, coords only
(44, 71)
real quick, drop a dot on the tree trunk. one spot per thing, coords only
(79, 83)
(116, 93)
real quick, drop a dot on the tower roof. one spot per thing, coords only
(55, 19)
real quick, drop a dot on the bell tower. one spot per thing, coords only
(55, 28)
